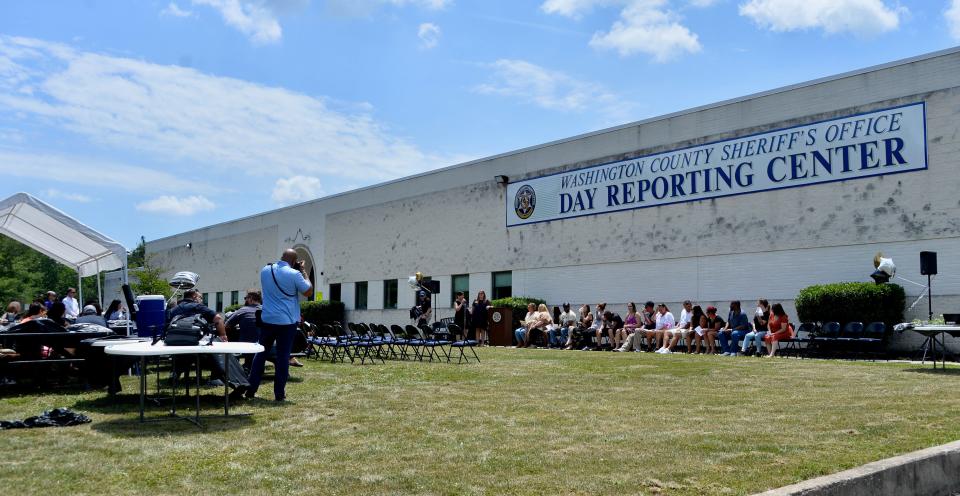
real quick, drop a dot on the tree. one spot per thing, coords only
(137, 257)
(149, 280)
(26, 274)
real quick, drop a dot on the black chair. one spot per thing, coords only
(825, 341)
(872, 339)
(400, 341)
(848, 341)
(800, 337)
(462, 345)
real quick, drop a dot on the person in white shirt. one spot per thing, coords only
(665, 322)
(71, 304)
(597, 326)
(521, 332)
(562, 332)
(672, 336)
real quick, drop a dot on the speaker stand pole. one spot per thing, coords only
(929, 298)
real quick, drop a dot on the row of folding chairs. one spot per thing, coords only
(376, 342)
(852, 339)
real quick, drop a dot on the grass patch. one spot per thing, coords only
(521, 422)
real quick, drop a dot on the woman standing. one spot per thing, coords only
(779, 328)
(478, 317)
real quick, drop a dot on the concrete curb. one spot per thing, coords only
(931, 471)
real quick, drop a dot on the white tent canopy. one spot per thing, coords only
(59, 236)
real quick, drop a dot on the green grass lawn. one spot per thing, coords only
(521, 422)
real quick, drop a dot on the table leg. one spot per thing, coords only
(143, 385)
(226, 379)
(176, 380)
(196, 414)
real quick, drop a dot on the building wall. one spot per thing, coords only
(767, 244)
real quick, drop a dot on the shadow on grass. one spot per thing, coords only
(157, 425)
(938, 371)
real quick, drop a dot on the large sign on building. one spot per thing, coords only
(882, 142)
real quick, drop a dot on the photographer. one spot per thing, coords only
(282, 283)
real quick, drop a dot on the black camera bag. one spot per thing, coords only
(185, 330)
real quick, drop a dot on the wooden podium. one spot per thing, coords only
(500, 322)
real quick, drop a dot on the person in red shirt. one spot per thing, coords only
(779, 327)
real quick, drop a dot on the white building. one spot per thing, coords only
(758, 196)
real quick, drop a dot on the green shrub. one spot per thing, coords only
(322, 312)
(232, 308)
(852, 302)
(519, 306)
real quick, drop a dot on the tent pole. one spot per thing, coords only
(79, 284)
(99, 288)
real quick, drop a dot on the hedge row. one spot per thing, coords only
(322, 312)
(852, 302)
(519, 306)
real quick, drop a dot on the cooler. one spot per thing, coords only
(151, 315)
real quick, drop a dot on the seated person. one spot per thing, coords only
(544, 321)
(697, 333)
(192, 304)
(760, 318)
(672, 336)
(89, 316)
(630, 323)
(596, 324)
(12, 314)
(36, 310)
(779, 328)
(577, 336)
(114, 311)
(57, 313)
(612, 324)
(243, 322)
(711, 324)
(567, 322)
(531, 319)
(648, 326)
(665, 322)
(738, 325)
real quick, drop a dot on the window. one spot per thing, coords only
(335, 292)
(502, 284)
(390, 294)
(360, 295)
(234, 297)
(459, 282)
(206, 299)
(220, 301)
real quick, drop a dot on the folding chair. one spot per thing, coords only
(793, 344)
(849, 337)
(400, 341)
(826, 337)
(873, 335)
(462, 345)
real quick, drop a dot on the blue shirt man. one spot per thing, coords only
(281, 286)
(738, 325)
(282, 283)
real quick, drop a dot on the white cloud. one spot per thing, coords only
(365, 8)
(429, 35)
(63, 195)
(953, 19)
(644, 26)
(172, 205)
(78, 171)
(862, 17)
(254, 18)
(174, 10)
(553, 90)
(178, 115)
(296, 189)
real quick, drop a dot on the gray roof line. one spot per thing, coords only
(722, 103)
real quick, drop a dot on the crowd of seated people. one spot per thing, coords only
(654, 328)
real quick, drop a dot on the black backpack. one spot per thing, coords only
(186, 330)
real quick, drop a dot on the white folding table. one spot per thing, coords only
(145, 349)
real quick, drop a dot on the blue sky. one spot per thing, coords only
(155, 117)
